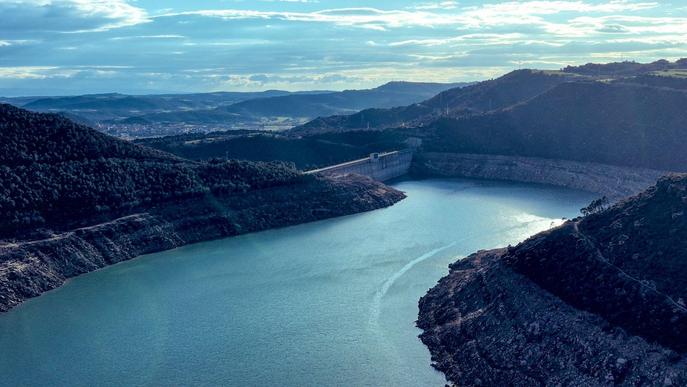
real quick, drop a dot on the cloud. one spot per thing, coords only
(68, 15)
(48, 72)
(35, 72)
(301, 78)
(369, 18)
(468, 39)
(168, 36)
(427, 15)
(613, 29)
(444, 5)
(300, 45)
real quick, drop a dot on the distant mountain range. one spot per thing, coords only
(110, 106)
(179, 113)
(636, 120)
(300, 106)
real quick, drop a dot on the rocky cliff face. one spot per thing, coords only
(31, 267)
(612, 181)
(597, 301)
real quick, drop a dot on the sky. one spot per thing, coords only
(62, 47)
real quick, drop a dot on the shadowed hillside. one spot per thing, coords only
(485, 96)
(309, 152)
(622, 124)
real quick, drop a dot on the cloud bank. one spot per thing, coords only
(96, 46)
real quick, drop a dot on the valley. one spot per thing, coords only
(592, 300)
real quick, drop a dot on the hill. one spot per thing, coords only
(612, 123)
(28, 138)
(310, 152)
(139, 116)
(81, 200)
(499, 94)
(510, 89)
(581, 114)
(597, 301)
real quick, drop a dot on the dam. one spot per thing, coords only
(378, 166)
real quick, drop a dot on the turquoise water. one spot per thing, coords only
(326, 303)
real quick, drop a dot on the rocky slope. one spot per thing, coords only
(597, 301)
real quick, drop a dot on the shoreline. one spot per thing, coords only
(31, 268)
(164, 229)
(612, 181)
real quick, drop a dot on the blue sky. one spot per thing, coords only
(152, 46)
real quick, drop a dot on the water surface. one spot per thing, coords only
(327, 303)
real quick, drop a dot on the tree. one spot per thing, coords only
(595, 206)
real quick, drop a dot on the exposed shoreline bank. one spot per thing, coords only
(29, 268)
(612, 181)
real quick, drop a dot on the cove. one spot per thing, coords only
(326, 303)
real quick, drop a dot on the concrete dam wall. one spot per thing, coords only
(379, 166)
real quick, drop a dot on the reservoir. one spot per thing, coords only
(326, 303)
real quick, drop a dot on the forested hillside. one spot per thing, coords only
(27, 138)
(613, 123)
(73, 200)
(306, 153)
(57, 174)
(597, 301)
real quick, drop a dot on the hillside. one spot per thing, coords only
(597, 301)
(81, 200)
(495, 94)
(27, 138)
(613, 123)
(306, 153)
(624, 114)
